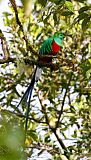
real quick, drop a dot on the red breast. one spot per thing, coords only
(55, 48)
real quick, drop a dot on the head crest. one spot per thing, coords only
(59, 34)
(58, 38)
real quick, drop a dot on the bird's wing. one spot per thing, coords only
(46, 47)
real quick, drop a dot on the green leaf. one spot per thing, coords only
(69, 5)
(55, 17)
(47, 138)
(89, 60)
(67, 13)
(85, 23)
(88, 73)
(84, 9)
(33, 135)
(42, 2)
(81, 1)
(46, 19)
(82, 16)
(57, 2)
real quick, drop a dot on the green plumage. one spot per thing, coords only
(47, 44)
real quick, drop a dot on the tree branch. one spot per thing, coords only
(2, 61)
(54, 130)
(61, 111)
(28, 45)
(60, 142)
(54, 66)
(33, 62)
(13, 3)
(21, 115)
(48, 148)
(4, 46)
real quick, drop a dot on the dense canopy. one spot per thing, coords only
(60, 116)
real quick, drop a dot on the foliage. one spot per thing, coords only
(60, 113)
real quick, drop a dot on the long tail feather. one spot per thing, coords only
(28, 93)
(31, 86)
(27, 97)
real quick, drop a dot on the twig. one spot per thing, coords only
(2, 61)
(54, 130)
(61, 111)
(43, 110)
(41, 64)
(29, 47)
(21, 115)
(60, 142)
(13, 3)
(46, 147)
(4, 46)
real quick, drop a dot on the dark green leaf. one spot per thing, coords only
(82, 16)
(67, 13)
(82, 1)
(42, 2)
(84, 9)
(55, 17)
(85, 24)
(57, 2)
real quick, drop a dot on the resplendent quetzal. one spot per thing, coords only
(51, 46)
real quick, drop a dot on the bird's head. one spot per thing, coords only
(58, 38)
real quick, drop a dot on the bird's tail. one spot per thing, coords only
(28, 93)
(27, 97)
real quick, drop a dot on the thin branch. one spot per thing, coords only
(2, 61)
(21, 115)
(54, 130)
(29, 46)
(60, 142)
(29, 62)
(61, 111)
(32, 62)
(43, 110)
(4, 46)
(54, 66)
(46, 147)
(41, 63)
(13, 3)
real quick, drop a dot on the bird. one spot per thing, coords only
(51, 46)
